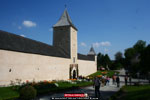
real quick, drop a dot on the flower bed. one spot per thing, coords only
(43, 87)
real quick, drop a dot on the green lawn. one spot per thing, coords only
(133, 93)
(7, 93)
(62, 86)
(110, 73)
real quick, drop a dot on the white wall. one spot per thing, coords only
(86, 67)
(73, 47)
(31, 66)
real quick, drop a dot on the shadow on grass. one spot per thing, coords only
(133, 93)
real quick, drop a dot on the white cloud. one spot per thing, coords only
(22, 35)
(98, 44)
(105, 43)
(83, 44)
(19, 27)
(28, 23)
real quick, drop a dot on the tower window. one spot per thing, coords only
(10, 70)
(73, 59)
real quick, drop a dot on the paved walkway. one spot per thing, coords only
(106, 91)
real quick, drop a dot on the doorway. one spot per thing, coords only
(73, 72)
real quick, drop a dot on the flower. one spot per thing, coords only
(72, 79)
(27, 81)
(99, 75)
(104, 72)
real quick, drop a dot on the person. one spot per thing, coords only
(107, 80)
(97, 84)
(130, 79)
(114, 79)
(118, 81)
(126, 80)
(103, 80)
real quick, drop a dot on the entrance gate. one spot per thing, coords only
(73, 71)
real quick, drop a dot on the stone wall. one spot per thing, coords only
(86, 67)
(16, 65)
(25, 66)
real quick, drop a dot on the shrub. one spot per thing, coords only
(28, 93)
(44, 87)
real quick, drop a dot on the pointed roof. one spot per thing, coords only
(64, 20)
(92, 52)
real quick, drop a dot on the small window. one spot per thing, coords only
(73, 59)
(10, 70)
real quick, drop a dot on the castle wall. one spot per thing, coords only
(86, 67)
(16, 65)
(25, 66)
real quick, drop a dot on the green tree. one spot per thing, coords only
(119, 61)
(118, 56)
(103, 60)
(100, 59)
(145, 60)
(107, 61)
(139, 46)
(130, 53)
(133, 56)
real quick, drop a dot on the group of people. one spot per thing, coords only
(116, 79)
(104, 80)
(126, 79)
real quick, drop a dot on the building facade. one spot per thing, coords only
(26, 59)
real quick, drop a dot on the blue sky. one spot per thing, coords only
(109, 25)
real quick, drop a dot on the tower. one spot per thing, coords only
(65, 36)
(92, 53)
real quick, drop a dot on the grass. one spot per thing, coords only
(8, 93)
(110, 73)
(133, 93)
(66, 85)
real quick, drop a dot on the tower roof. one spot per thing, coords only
(92, 52)
(64, 20)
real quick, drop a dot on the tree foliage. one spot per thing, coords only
(103, 60)
(145, 60)
(118, 62)
(137, 58)
(118, 56)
